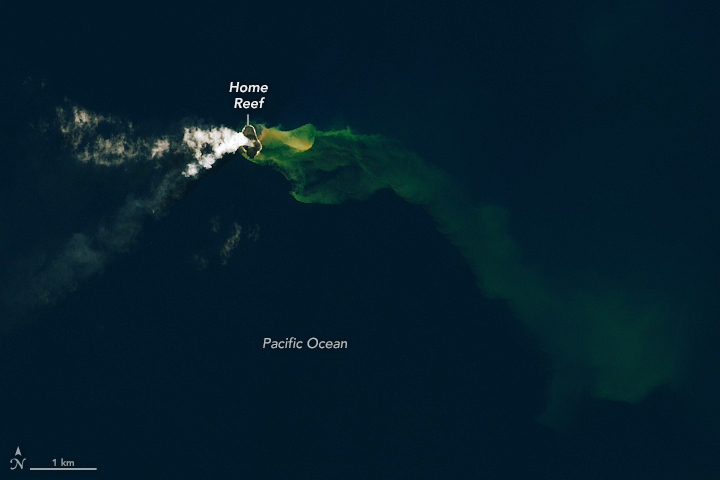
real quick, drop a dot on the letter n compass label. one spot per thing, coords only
(15, 461)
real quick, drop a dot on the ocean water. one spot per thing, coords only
(507, 212)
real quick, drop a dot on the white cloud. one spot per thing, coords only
(231, 243)
(46, 277)
(105, 140)
(161, 146)
(210, 145)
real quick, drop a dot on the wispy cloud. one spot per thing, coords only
(48, 277)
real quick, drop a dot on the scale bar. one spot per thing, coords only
(63, 468)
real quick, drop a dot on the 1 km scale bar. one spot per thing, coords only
(64, 465)
(63, 468)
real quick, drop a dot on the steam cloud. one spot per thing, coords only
(219, 142)
(108, 141)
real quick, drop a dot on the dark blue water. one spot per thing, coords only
(595, 126)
